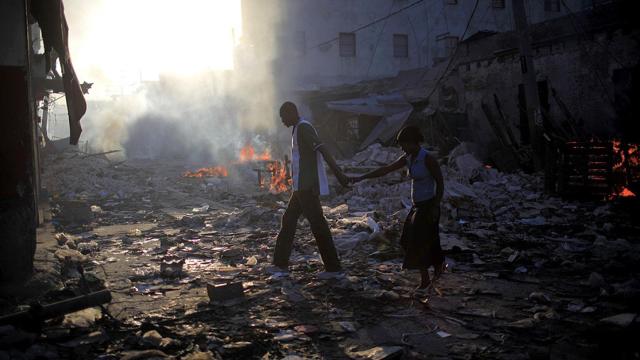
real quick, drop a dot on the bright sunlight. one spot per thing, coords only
(127, 41)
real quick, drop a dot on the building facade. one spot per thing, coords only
(311, 44)
(587, 73)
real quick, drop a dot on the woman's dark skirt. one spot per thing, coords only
(420, 238)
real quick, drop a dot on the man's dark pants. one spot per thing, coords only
(305, 203)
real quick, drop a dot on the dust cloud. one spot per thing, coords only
(172, 80)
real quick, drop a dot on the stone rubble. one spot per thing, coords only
(186, 261)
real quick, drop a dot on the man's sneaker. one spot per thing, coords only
(327, 275)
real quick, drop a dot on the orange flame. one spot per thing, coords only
(216, 171)
(280, 182)
(617, 151)
(266, 155)
(248, 153)
(626, 193)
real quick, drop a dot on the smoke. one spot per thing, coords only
(194, 92)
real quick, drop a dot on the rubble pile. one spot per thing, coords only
(73, 174)
(375, 155)
(472, 191)
(530, 275)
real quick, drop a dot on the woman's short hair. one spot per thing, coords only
(410, 134)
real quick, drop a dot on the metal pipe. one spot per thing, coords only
(37, 314)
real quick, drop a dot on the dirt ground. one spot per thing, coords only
(530, 276)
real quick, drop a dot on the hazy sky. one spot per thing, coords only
(117, 43)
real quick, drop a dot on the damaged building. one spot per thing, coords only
(478, 96)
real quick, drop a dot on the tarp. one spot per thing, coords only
(387, 128)
(377, 105)
(55, 34)
(393, 108)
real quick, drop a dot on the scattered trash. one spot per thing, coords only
(171, 268)
(153, 339)
(517, 257)
(379, 353)
(252, 261)
(83, 318)
(135, 233)
(62, 238)
(521, 270)
(70, 256)
(286, 336)
(201, 209)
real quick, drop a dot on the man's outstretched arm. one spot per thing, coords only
(344, 181)
(382, 171)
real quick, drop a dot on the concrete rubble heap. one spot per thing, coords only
(530, 275)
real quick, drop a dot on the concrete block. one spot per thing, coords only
(223, 292)
(78, 212)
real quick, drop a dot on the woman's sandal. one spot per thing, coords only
(422, 292)
(437, 273)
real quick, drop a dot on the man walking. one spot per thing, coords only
(309, 182)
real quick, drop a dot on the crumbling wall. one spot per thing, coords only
(568, 66)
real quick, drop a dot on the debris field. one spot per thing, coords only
(185, 259)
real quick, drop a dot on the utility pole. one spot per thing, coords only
(534, 118)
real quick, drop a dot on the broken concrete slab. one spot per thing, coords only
(379, 353)
(223, 292)
(621, 320)
(115, 230)
(83, 318)
(75, 211)
(70, 256)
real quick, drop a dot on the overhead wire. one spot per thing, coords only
(375, 48)
(481, 21)
(415, 37)
(452, 57)
(324, 43)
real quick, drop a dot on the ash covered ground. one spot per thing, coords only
(530, 275)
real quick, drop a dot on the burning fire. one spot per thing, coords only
(626, 161)
(248, 153)
(279, 178)
(216, 171)
(280, 182)
(626, 193)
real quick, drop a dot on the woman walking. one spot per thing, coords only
(420, 238)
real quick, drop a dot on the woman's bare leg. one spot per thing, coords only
(438, 269)
(425, 281)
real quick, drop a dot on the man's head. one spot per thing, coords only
(409, 139)
(289, 114)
